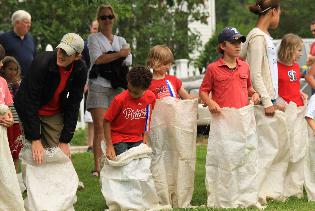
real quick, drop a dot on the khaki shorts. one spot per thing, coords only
(100, 97)
(51, 127)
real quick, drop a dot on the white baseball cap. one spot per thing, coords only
(71, 43)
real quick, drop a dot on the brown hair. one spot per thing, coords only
(219, 49)
(289, 44)
(6, 61)
(313, 22)
(159, 55)
(102, 7)
(261, 7)
(140, 77)
(2, 52)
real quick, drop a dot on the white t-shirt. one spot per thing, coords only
(98, 44)
(272, 59)
(310, 111)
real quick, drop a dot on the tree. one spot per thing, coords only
(162, 22)
(295, 18)
(143, 23)
(51, 19)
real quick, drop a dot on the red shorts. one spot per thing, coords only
(15, 140)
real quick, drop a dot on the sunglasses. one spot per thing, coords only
(105, 17)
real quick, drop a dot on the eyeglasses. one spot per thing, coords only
(104, 17)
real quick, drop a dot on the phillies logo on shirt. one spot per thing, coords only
(161, 89)
(135, 114)
(292, 75)
(165, 91)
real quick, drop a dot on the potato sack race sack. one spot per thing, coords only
(173, 141)
(231, 162)
(127, 182)
(298, 135)
(309, 166)
(10, 193)
(52, 185)
(273, 153)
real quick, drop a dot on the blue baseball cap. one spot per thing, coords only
(230, 34)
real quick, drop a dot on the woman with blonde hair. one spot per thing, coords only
(104, 47)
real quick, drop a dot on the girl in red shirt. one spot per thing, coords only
(289, 75)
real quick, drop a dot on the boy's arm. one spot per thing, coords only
(311, 123)
(254, 95)
(145, 138)
(184, 94)
(309, 77)
(110, 151)
(212, 105)
(304, 96)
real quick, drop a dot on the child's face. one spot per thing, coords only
(162, 69)
(135, 92)
(11, 71)
(231, 49)
(63, 60)
(297, 54)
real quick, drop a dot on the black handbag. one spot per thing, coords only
(115, 71)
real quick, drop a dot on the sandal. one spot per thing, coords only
(90, 149)
(95, 173)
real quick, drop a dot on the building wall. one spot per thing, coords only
(205, 30)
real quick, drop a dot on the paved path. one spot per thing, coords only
(77, 149)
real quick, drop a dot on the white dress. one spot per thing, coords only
(10, 194)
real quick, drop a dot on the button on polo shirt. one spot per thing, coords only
(229, 88)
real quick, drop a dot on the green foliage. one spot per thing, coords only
(142, 23)
(209, 53)
(79, 138)
(161, 22)
(295, 18)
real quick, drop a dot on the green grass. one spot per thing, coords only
(79, 138)
(91, 197)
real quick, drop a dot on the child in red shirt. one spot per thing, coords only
(228, 78)
(128, 117)
(289, 75)
(160, 59)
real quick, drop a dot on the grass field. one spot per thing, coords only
(91, 198)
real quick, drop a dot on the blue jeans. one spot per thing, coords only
(124, 146)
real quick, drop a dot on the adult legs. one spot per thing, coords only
(90, 134)
(98, 119)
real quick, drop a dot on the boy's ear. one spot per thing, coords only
(222, 45)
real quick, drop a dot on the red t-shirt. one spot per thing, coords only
(289, 83)
(130, 117)
(165, 87)
(53, 106)
(229, 88)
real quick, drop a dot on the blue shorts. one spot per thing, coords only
(124, 146)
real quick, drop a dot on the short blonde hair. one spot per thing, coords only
(102, 7)
(159, 55)
(20, 15)
(289, 44)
